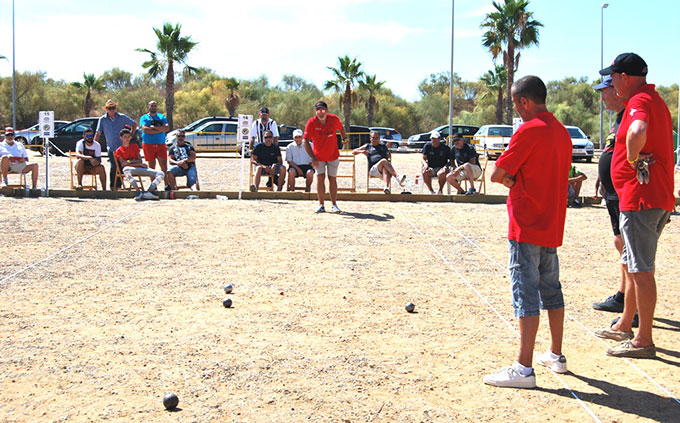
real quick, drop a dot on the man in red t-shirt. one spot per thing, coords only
(131, 162)
(642, 174)
(320, 132)
(535, 168)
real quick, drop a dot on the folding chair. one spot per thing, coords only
(347, 157)
(22, 180)
(120, 175)
(368, 179)
(271, 178)
(73, 159)
(482, 178)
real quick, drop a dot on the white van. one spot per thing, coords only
(493, 140)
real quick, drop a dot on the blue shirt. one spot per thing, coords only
(148, 120)
(111, 129)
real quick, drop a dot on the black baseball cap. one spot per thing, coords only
(264, 110)
(320, 105)
(457, 136)
(628, 63)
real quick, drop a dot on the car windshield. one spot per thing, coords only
(575, 133)
(502, 131)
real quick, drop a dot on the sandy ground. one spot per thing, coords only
(123, 303)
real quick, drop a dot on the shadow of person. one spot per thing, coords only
(671, 325)
(631, 401)
(384, 218)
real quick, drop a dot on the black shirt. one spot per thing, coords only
(437, 157)
(465, 154)
(267, 155)
(181, 152)
(604, 165)
(376, 153)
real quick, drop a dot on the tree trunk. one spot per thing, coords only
(87, 106)
(499, 107)
(369, 111)
(170, 93)
(347, 107)
(510, 66)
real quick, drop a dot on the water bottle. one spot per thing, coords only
(192, 197)
(222, 197)
(26, 191)
(43, 191)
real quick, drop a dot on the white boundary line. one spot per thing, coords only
(642, 372)
(447, 262)
(36, 263)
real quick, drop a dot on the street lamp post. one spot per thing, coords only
(451, 75)
(604, 6)
(14, 76)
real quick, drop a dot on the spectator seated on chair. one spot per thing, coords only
(14, 159)
(267, 160)
(131, 162)
(466, 159)
(89, 154)
(183, 158)
(379, 165)
(299, 162)
(436, 158)
(576, 178)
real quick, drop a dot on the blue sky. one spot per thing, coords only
(401, 41)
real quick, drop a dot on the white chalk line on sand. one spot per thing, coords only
(485, 300)
(639, 370)
(68, 247)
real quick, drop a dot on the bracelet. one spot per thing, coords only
(635, 159)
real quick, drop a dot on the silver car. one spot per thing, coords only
(209, 136)
(583, 148)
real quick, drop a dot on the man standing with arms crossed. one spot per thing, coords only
(320, 131)
(642, 173)
(535, 168)
(111, 123)
(154, 126)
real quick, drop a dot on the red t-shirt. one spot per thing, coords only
(325, 142)
(539, 156)
(131, 152)
(648, 106)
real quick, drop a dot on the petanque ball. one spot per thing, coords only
(228, 288)
(170, 401)
(227, 302)
(410, 307)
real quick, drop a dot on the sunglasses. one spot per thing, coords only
(111, 108)
(9, 134)
(269, 137)
(181, 136)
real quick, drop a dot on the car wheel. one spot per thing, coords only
(589, 159)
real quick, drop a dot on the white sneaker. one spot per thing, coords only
(335, 209)
(386, 190)
(3, 184)
(149, 196)
(558, 365)
(508, 377)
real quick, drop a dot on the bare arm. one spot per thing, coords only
(97, 135)
(499, 175)
(360, 150)
(635, 140)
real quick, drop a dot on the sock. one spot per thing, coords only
(619, 297)
(553, 356)
(522, 370)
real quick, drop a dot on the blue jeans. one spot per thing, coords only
(191, 174)
(535, 278)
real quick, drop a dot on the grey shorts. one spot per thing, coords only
(17, 167)
(332, 168)
(641, 230)
(476, 173)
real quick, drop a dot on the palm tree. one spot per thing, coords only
(346, 77)
(233, 100)
(495, 80)
(371, 86)
(92, 84)
(510, 28)
(171, 48)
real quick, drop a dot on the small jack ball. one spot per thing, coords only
(228, 288)
(227, 302)
(410, 307)
(170, 401)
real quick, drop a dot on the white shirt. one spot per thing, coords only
(297, 154)
(95, 146)
(15, 150)
(259, 128)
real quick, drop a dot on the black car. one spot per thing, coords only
(417, 141)
(285, 134)
(65, 138)
(358, 135)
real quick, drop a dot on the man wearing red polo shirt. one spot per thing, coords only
(320, 132)
(642, 173)
(535, 168)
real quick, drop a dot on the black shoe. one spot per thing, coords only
(610, 304)
(636, 321)
(269, 183)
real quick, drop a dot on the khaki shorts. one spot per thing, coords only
(476, 173)
(374, 172)
(332, 168)
(17, 167)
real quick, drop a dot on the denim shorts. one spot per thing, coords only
(640, 231)
(191, 174)
(535, 278)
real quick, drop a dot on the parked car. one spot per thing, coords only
(493, 140)
(285, 135)
(583, 148)
(209, 134)
(417, 141)
(393, 140)
(67, 136)
(25, 136)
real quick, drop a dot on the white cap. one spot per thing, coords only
(297, 133)
(435, 134)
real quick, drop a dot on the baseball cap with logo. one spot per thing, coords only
(435, 134)
(297, 133)
(628, 63)
(264, 110)
(9, 130)
(606, 83)
(321, 105)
